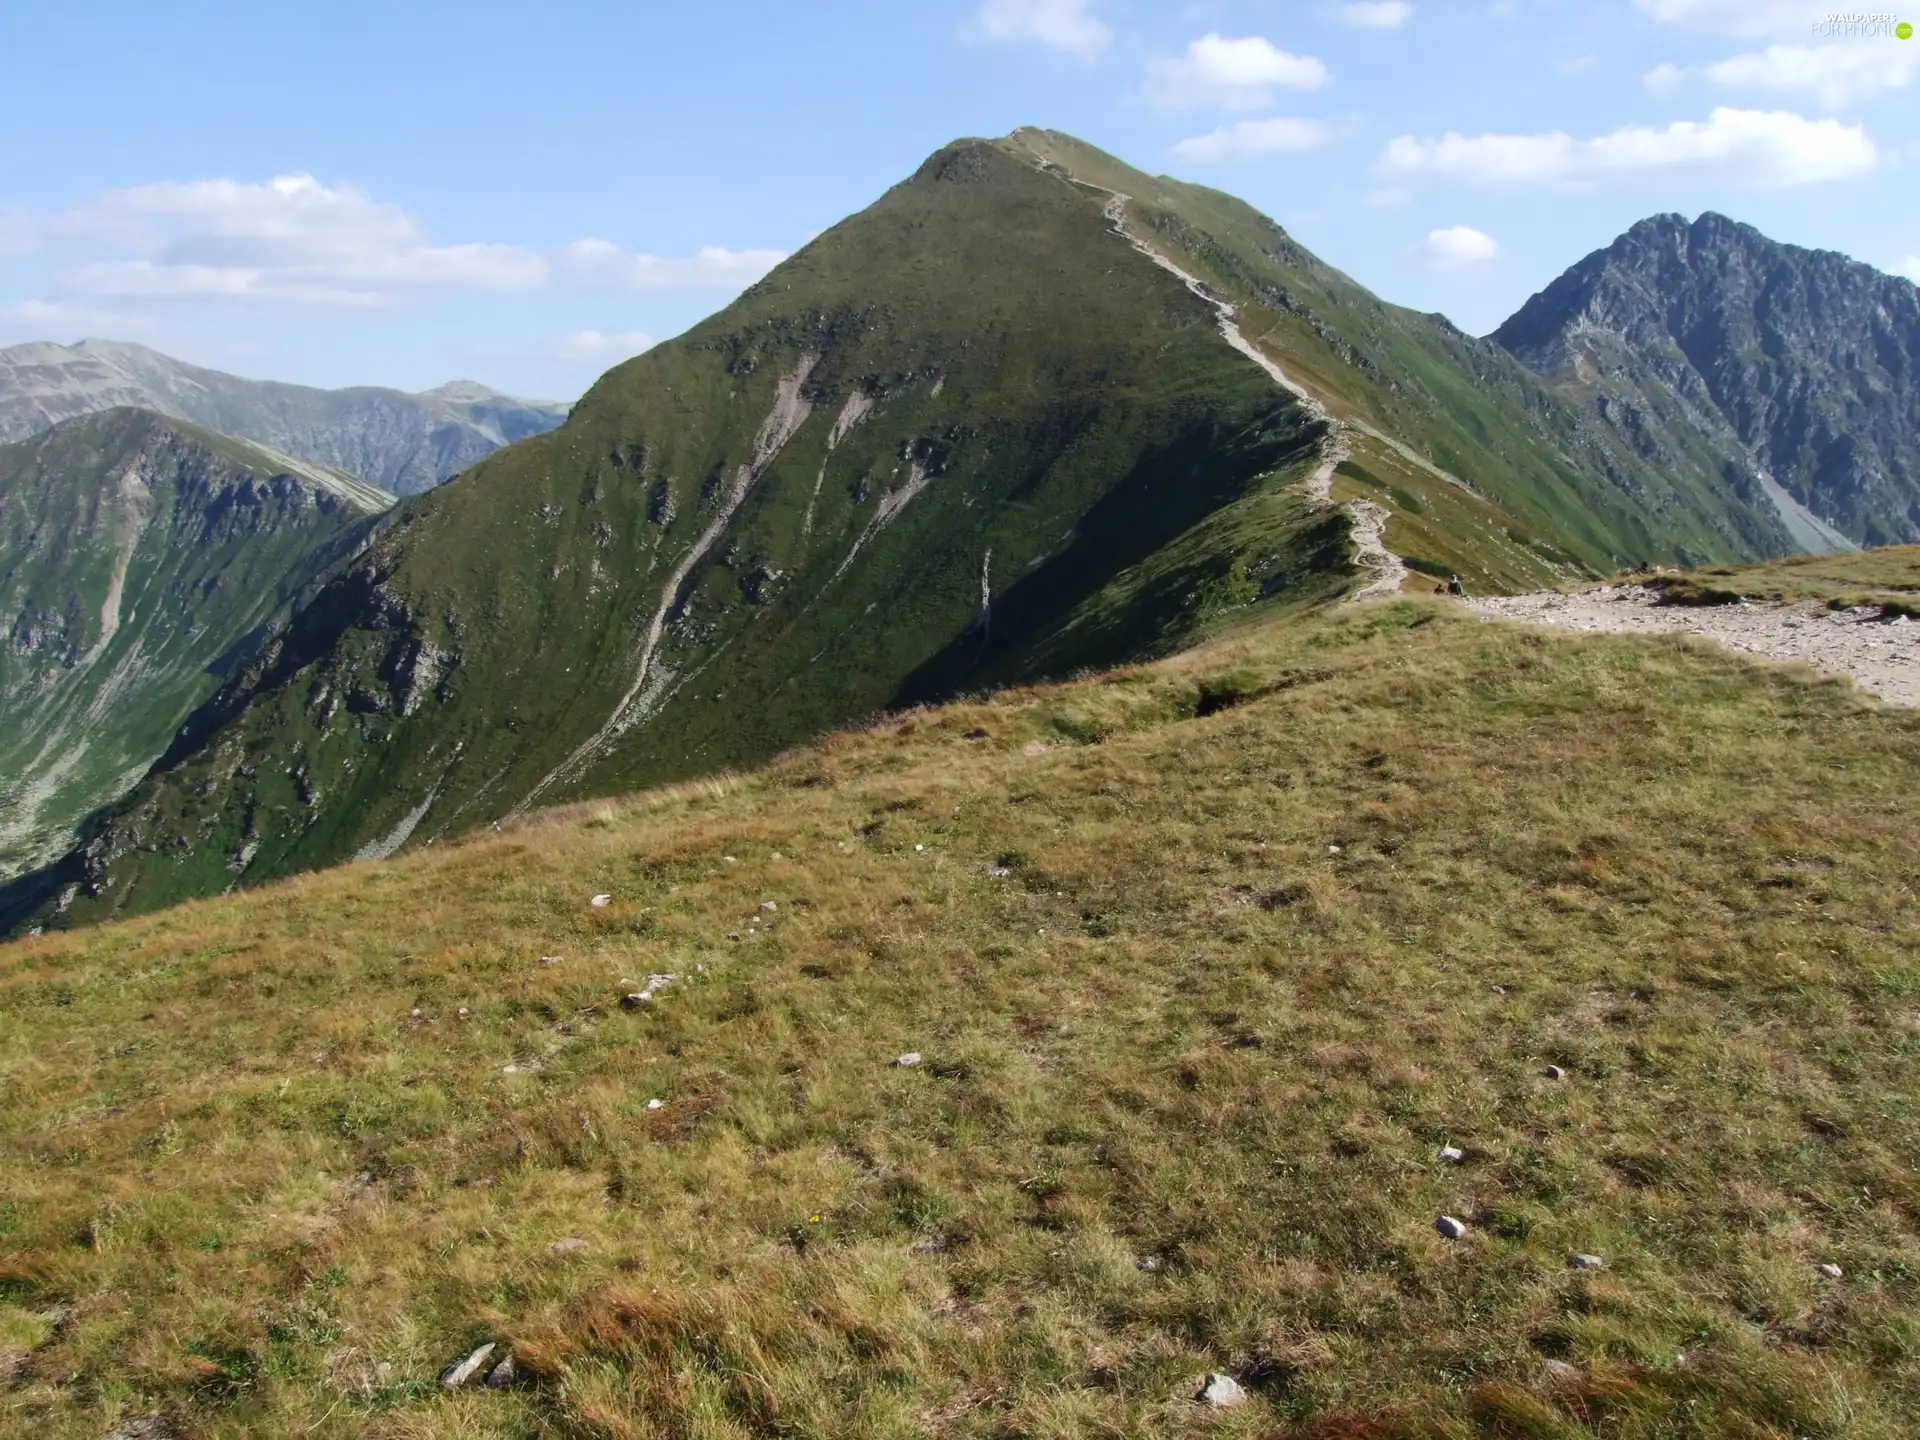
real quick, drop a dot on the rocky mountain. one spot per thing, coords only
(1031, 411)
(402, 443)
(1707, 346)
(141, 559)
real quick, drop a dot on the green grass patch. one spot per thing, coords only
(1206, 959)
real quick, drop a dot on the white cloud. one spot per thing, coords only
(1253, 137)
(1733, 147)
(1385, 15)
(1837, 74)
(592, 347)
(43, 319)
(1455, 246)
(289, 240)
(1065, 25)
(1665, 76)
(603, 265)
(1232, 74)
(1735, 17)
(19, 231)
(297, 242)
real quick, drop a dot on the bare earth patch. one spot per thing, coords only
(1882, 656)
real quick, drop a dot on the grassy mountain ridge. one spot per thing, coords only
(1460, 404)
(973, 435)
(138, 558)
(399, 442)
(683, 576)
(1205, 960)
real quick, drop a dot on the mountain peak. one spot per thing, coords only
(1706, 343)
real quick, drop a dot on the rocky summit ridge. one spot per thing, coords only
(1792, 374)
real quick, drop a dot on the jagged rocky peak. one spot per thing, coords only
(1708, 339)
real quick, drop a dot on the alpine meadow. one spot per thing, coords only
(1055, 821)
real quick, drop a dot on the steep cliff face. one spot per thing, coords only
(399, 442)
(139, 559)
(1794, 373)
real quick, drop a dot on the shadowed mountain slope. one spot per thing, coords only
(1708, 347)
(140, 558)
(402, 443)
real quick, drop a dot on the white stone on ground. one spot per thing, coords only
(461, 1371)
(1221, 1392)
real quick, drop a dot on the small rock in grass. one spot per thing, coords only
(728, 859)
(906, 1061)
(1220, 1392)
(1554, 1072)
(776, 856)
(656, 1104)
(918, 849)
(769, 906)
(545, 960)
(142, 1427)
(1448, 1226)
(461, 1371)
(1149, 1264)
(414, 1013)
(733, 935)
(1578, 1261)
(1333, 849)
(463, 1012)
(572, 1245)
(502, 1375)
(634, 1001)
(1450, 1155)
(1558, 1372)
(1833, 1272)
(510, 1070)
(600, 902)
(998, 872)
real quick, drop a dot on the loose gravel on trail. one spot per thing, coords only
(1882, 656)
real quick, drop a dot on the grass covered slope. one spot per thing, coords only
(1888, 578)
(1206, 960)
(139, 557)
(889, 468)
(1433, 394)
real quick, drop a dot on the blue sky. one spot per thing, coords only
(405, 192)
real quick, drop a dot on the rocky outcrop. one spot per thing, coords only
(1706, 344)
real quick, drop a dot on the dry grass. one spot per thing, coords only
(1887, 578)
(1186, 1070)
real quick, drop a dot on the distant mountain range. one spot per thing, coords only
(141, 559)
(1706, 346)
(399, 442)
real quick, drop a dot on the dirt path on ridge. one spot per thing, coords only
(1882, 656)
